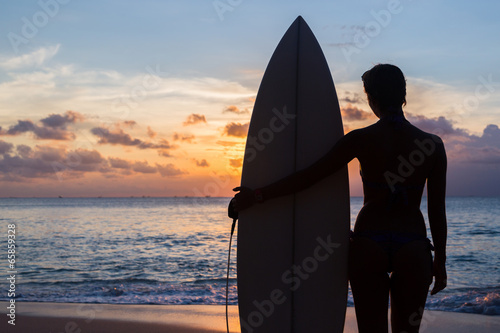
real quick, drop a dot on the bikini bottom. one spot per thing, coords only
(391, 241)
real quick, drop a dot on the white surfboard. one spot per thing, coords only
(292, 251)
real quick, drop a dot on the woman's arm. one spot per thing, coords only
(340, 154)
(436, 193)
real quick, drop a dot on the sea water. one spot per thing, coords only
(174, 251)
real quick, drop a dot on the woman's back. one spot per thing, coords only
(395, 160)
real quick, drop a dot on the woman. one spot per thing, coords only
(390, 254)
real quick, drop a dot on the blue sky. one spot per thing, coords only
(156, 63)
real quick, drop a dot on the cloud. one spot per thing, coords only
(236, 163)
(438, 125)
(60, 121)
(118, 137)
(352, 113)
(184, 137)
(477, 155)
(151, 133)
(53, 127)
(23, 150)
(234, 109)
(35, 58)
(490, 137)
(5, 147)
(194, 118)
(352, 98)
(40, 132)
(164, 153)
(169, 170)
(484, 149)
(129, 123)
(236, 129)
(143, 167)
(119, 163)
(461, 146)
(202, 164)
(228, 143)
(50, 162)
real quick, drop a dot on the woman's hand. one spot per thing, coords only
(440, 277)
(244, 199)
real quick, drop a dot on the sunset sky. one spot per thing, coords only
(122, 98)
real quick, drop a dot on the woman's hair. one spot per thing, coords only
(386, 84)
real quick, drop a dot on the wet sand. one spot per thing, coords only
(106, 318)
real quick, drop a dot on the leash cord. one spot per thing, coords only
(227, 277)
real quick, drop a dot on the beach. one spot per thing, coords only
(41, 317)
(159, 265)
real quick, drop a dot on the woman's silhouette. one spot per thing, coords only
(390, 254)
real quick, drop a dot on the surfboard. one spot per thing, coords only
(292, 250)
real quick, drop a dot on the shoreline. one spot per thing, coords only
(45, 317)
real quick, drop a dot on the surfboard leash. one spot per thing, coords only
(234, 215)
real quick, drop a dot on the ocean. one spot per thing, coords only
(174, 251)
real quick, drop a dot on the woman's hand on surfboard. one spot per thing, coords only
(244, 198)
(440, 277)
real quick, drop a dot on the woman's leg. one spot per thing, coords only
(369, 284)
(410, 280)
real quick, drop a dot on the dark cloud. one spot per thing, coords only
(194, 118)
(164, 153)
(352, 113)
(116, 137)
(234, 109)
(50, 162)
(169, 170)
(130, 123)
(119, 163)
(53, 127)
(184, 137)
(162, 144)
(490, 137)
(484, 149)
(22, 126)
(236, 163)
(61, 121)
(143, 167)
(119, 137)
(5, 147)
(439, 126)
(202, 164)
(50, 154)
(23, 150)
(352, 98)
(236, 129)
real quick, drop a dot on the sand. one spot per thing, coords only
(107, 318)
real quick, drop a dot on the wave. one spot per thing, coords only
(484, 301)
